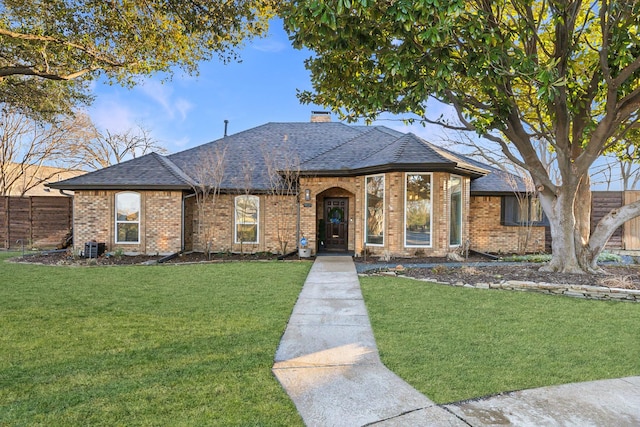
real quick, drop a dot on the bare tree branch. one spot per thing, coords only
(27, 147)
(208, 174)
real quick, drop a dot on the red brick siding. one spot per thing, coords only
(487, 235)
(354, 188)
(160, 221)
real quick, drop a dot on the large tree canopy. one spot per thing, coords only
(49, 49)
(516, 71)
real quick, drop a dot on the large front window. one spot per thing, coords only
(375, 210)
(127, 217)
(455, 211)
(417, 216)
(247, 219)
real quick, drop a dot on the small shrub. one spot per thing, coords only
(419, 252)
(604, 257)
(528, 258)
(439, 269)
(470, 270)
(264, 254)
(609, 257)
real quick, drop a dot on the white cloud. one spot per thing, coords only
(163, 95)
(160, 93)
(269, 45)
(114, 116)
(181, 143)
(183, 107)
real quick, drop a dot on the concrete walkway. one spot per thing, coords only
(328, 363)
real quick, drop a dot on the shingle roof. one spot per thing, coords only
(381, 149)
(316, 148)
(406, 150)
(151, 171)
(495, 181)
(282, 143)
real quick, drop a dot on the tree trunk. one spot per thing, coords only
(574, 248)
(569, 214)
(559, 211)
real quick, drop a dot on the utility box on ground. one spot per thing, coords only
(93, 249)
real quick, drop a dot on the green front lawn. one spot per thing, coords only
(456, 343)
(159, 345)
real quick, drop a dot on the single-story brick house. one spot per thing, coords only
(341, 187)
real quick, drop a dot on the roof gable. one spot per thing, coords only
(381, 149)
(406, 150)
(146, 172)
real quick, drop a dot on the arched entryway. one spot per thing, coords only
(335, 220)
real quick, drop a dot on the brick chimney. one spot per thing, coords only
(320, 117)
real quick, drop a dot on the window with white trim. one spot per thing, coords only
(455, 210)
(374, 210)
(127, 217)
(246, 218)
(417, 212)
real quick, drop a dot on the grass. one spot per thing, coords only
(159, 345)
(454, 344)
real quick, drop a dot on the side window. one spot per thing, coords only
(455, 211)
(522, 210)
(128, 217)
(374, 210)
(246, 219)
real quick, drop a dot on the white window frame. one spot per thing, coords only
(118, 222)
(450, 193)
(236, 222)
(366, 210)
(406, 178)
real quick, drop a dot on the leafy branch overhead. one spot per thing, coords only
(517, 72)
(63, 40)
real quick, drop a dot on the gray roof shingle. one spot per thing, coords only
(314, 148)
(281, 143)
(151, 171)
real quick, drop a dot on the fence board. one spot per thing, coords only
(38, 221)
(632, 227)
(602, 202)
(4, 220)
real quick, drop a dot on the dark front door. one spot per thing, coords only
(336, 219)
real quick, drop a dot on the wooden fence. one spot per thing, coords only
(631, 235)
(36, 221)
(601, 203)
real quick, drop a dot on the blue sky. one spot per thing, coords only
(190, 110)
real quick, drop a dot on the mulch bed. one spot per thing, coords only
(617, 276)
(65, 258)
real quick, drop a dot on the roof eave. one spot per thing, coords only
(496, 192)
(398, 167)
(80, 187)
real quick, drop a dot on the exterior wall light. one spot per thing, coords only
(307, 194)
